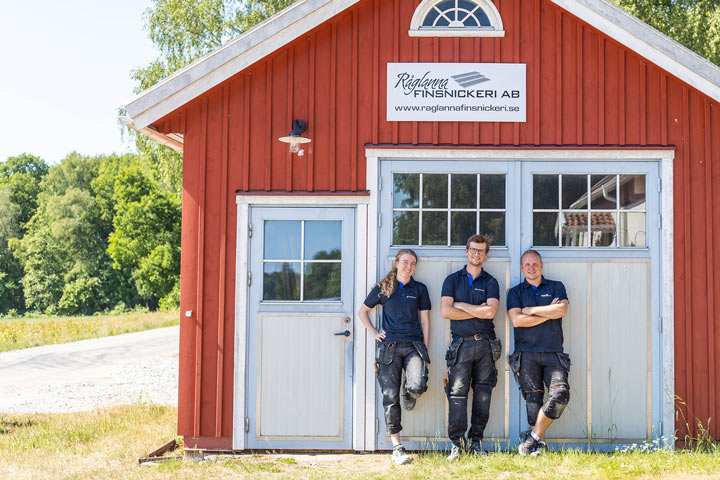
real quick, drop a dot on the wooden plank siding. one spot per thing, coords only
(584, 90)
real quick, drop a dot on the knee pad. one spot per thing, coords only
(558, 398)
(533, 397)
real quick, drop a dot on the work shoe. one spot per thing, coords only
(475, 448)
(400, 455)
(455, 453)
(407, 400)
(540, 449)
(528, 446)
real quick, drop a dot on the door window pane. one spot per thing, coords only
(281, 281)
(574, 230)
(545, 229)
(574, 192)
(462, 225)
(493, 225)
(464, 191)
(405, 228)
(603, 229)
(632, 192)
(282, 240)
(434, 228)
(492, 191)
(322, 281)
(435, 191)
(632, 229)
(603, 190)
(545, 191)
(406, 190)
(323, 240)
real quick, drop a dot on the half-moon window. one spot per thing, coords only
(456, 18)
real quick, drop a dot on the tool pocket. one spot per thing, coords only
(423, 351)
(514, 362)
(495, 348)
(384, 353)
(565, 361)
(452, 351)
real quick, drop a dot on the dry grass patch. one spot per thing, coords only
(105, 444)
(16, 333)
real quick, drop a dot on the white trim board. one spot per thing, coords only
(665, 157)
(304, 15)
(244, 203)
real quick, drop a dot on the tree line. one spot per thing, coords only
(90, 234)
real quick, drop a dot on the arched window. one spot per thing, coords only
(456, 18)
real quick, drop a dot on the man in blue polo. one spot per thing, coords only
(536, 307)
(469, 300)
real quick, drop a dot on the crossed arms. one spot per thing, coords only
(453, 310)
(531, 316)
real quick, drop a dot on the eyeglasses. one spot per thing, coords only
(476, 251)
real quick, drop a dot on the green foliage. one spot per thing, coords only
(693, 23)
(23, 174)
(11, 297)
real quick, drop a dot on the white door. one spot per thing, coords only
(300, 328)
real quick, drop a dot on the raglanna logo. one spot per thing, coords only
(469, 79)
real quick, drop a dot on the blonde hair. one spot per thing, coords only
(387, 284)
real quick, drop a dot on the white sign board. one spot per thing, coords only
(456, 92)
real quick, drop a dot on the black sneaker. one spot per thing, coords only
(540, 449)
(400, 455)
(475, 448)
(455, 453)
(407, 400)
(528, 446)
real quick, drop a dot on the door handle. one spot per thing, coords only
(346, 333)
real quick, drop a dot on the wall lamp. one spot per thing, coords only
(295, 138)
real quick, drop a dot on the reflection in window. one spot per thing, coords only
(562, 205)
(445, 209)
(302, 260)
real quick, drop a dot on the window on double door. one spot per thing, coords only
(589, 210)
(444, 209)
(302, 260)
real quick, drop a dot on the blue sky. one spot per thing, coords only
(65, 69)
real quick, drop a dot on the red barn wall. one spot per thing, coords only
(584, 89)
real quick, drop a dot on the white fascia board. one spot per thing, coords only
(221, 64)
(173, 141)
(648, 42)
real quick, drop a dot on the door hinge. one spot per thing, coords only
(379, 220)
(250, 231)
(380, 184)
(660, 320)
(659, 222)
(249, 278)
(377, 426)
(659, 185)
(247, 424)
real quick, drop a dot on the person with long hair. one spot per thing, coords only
(401, 342)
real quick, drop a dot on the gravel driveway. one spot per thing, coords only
(88, 374)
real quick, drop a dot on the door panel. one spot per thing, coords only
(300, 328)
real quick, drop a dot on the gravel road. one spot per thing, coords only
(89, 374)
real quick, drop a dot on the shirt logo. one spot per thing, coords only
(479, 289)
(546, 295)
(410, 296)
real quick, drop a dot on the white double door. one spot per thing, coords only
(596, 225)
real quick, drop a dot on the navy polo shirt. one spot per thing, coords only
(547, 336)
(400, 318)
(475, 291)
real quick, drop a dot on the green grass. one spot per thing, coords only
(31, 331)
(105, 444)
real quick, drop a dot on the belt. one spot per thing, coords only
(479, 336)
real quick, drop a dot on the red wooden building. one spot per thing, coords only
(565, 125)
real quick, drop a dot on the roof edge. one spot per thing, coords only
(231, 58)
(152, 132)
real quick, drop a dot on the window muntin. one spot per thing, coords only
(302, 260)
(457, 18)
(436, 210)
(589, 210)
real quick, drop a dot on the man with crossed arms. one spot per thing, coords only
(536, 307)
